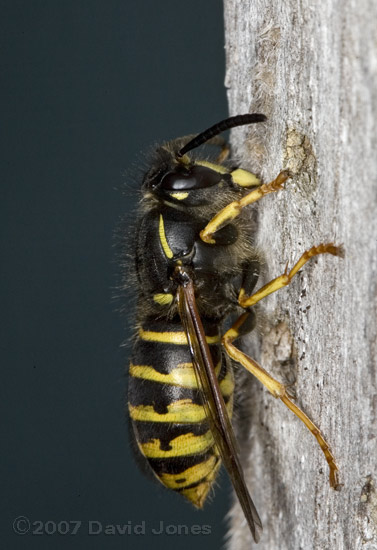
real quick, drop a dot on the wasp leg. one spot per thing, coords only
(233, 209)
(224, 153)
(285, 279)
(219, 141)
(240, 327)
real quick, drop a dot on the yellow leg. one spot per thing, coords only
(285, 279)
(278, 390)
(233, 209)
(224, 153)
(219, 141)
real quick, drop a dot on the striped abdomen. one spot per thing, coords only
(166, 407)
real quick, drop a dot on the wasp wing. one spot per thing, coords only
(217, 414)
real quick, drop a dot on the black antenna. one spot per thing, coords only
(227, 124)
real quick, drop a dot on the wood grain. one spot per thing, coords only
(312, 69)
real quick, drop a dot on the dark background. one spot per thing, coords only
(87, 86)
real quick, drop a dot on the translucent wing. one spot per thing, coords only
(214, 404)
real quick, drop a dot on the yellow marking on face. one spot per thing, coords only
(216, 167)
(179, 411)
(178, 338)
(161, 231)
(197, 495)
(183, 445)
(227, 384)
(163, 299)
(180, 195)
(243, 178)
(191, 475)
(182, 375)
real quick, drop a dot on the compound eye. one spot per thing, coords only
(185, 179)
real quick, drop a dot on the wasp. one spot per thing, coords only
(196, 266)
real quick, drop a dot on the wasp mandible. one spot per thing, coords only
(196, 264)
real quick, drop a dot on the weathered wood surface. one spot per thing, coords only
(311, 67)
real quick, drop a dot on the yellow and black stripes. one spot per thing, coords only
(166, 407)
(191, 476)
(180, 411)
(182, 375)
(178, 337)
(162, 344)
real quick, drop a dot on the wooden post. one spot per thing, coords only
(311, 67)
